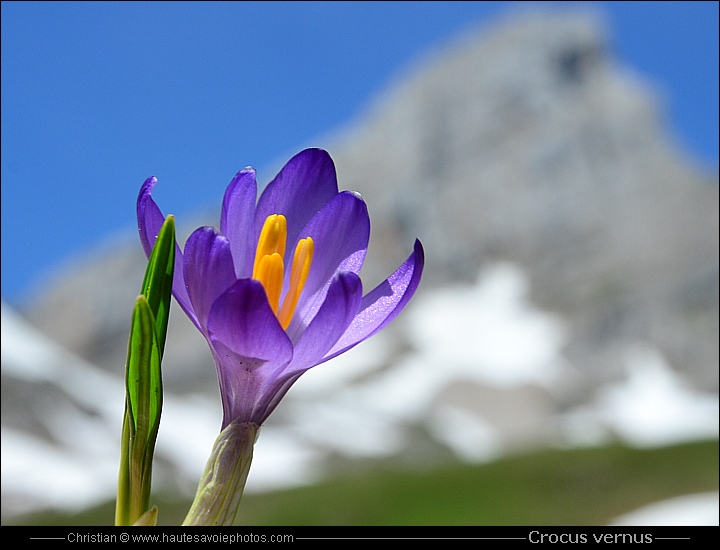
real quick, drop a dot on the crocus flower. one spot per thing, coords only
(276, 291)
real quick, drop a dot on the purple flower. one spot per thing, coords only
(270, 311)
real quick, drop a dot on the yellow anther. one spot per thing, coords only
(270, 270)
(271, 241)
(270, 273)
(298, 276)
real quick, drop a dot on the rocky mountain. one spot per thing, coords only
(530, 143)
(526, 142)
(524, 153)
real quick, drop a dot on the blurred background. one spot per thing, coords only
(559, 363)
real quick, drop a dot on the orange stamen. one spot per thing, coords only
(272, 239)
(270, 270)
(270, 274)
(298, 276)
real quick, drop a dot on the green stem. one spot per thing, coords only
(222, 484)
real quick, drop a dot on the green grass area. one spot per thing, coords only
(563, 487)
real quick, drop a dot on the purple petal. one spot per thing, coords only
(340, 232)
(304, 185)
(335, 315)
(275, 390)
(249, 346)
(383, 303)
(209, 270)
(237, 220)
(150, 220)
(340, 307)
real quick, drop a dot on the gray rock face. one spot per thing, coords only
(529, 143)
(526, 143)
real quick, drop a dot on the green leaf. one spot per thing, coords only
(143, 405)
(143, 380)
(143, 375)
(148, 519)
(157, 286)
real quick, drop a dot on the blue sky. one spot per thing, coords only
(98, 96)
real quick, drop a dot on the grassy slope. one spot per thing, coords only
(570, 487)
(581, 486)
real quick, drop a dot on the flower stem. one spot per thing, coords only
(222, 484)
